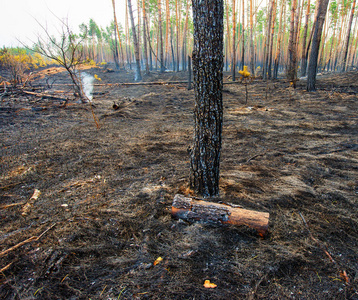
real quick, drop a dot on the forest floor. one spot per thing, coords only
(102, 217)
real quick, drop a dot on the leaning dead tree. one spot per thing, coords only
(208, 84)
(67, 51)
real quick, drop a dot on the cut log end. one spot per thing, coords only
(216, 214)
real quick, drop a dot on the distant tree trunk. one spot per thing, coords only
(267, 42)
(208, 84)
(333, 38)
(138, 76)
(291, 70)
(167, 26)
(305, 31)
(243, 36)
(316, 40)
(189, 71)
(161, 54)
(145, 38)
(128, 50)
(348, 36)
(353, 48)
(233, 66)
(228, 43)
(184, 47)
(119, 36)
(323, 43)
(177, 34)
(115, 49)
(279, 39)
(252, 53)
(269, 69)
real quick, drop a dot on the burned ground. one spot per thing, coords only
(106, 193)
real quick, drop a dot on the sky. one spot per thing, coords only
(18, 17)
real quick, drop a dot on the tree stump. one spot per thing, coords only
(192, 210)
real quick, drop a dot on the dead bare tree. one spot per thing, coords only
(66, 50)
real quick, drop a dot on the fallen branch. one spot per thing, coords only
(143, 83)
(29, 240)
(26, 208)
(18, 245)
(214, 213)
(257, 155)
(324, 249)
(5, 268)
(12, 205)
(27, 79)
(44, 95)
(342, 273)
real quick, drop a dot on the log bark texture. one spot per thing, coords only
(216, 214)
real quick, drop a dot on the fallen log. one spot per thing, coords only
(142, 83)
(44, 95)
(192, 210)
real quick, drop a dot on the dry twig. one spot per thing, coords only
(29, 240)
(27, 206)
(342, 273)
(11, 205)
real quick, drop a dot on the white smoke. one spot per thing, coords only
(87, 85)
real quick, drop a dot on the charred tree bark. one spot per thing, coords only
(316, 40)
(208, 83)
(138, 76)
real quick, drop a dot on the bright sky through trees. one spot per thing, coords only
(18, 19)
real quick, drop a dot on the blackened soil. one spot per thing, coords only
(103, 215)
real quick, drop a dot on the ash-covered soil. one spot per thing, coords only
(103, 216)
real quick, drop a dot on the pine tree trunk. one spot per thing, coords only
(353, 48)
(291, 70)
(233, 66)
(115, 50)
(184, 47)
(252, 53)
(161, 52)
(167, 12)
(228, 42)
(128, 50)
(267, 42)
(208, 84)
(348, 36)
(269, 69)
(138, 76)
(316, 40)
(305, 31)
(243, 36)
(329, 65)
(279, 39)
(145, 38)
